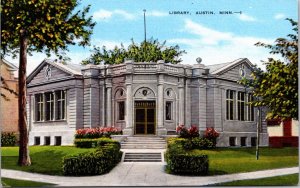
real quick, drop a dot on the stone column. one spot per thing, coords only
(108, 107)
(161, 130)
(129, 111)
(181, 104)
(187, 120)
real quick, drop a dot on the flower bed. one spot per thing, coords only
(97, 132)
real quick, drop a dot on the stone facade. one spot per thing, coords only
(141, 98)
(9, 106)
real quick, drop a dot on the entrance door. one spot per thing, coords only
(144, 117)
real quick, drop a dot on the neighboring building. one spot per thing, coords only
(9, 106)
(283, 133)
(141, 99)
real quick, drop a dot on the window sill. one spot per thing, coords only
(63, 120)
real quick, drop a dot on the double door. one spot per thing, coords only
(144, 117)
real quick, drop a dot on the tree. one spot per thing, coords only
(277, 87)
(147, 51)
(41, 26)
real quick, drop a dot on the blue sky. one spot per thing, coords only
(215, 38)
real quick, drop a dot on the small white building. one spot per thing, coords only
(141, 99)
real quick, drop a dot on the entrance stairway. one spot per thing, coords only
(143, 142)
(143, 149)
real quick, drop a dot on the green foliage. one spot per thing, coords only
(8, 139)
(202, 143)
(181, 162)
(93, 163)
(92, 143)
(47, 159)
(277, 87)
(49, 26)
(147, 51)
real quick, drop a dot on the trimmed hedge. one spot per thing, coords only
(188, 164)
(8, 139)
(93, 163)
(92, 143)
(180, 161)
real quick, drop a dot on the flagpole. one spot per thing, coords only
(145, 23)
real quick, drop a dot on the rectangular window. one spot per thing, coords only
(47, 140)
(57, 140)
(61, 105)
(39, 106)
(37, 140)
(49, 106)
(168, 110)
(241, 106)
(253, 141)
(232, 141)
(121, 107)
(250, 108)
(243, 141)
(230, 104)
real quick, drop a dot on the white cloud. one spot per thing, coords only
(156, 13)
(215, 47)
(105, 15)
(247, 18)
(102, 14)
(279, 16)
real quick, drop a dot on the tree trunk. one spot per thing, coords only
(24, 159)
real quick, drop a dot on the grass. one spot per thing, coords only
(235, 160)
(286, 180)
(8, 182)
(45, 159)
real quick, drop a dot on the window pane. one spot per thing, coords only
(168, 110)
(121, 110)
(231, 110)
(49, 106)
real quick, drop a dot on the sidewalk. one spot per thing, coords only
(143, 174)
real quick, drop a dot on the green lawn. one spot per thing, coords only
(8, 182)
(287, 180)
(45, 159)
(234, 160)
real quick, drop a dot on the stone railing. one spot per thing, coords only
(118, 69)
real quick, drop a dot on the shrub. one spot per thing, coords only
(187, 133)
(202, 143)
(97, 132)
(92, 143)
(193, 164)
(93, 163)
(212, 135)
(8, 139)
(179, 161)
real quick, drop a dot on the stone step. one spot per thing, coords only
(143, 142)
(142, 157)
(142, 147)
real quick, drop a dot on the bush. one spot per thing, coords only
(179, 161)
(97, 132)
(93, 163)
(8, 139)
(187, 133)
(92, 143)
(202, 143)
(191, 164)
(212, 135)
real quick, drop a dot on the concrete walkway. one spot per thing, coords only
(143, 174)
